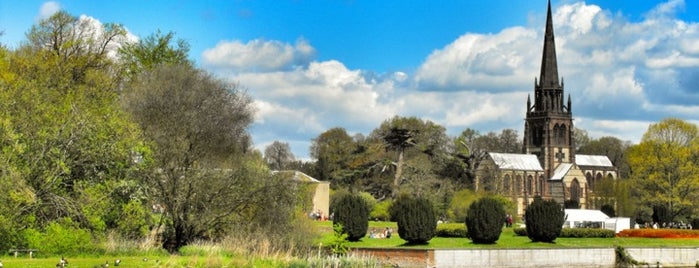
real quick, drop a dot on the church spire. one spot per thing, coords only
(549, 67)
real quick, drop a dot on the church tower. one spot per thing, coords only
(548, 127)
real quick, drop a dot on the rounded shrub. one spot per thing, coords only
(484, 220)
(352, 213)
(416, 219)
(544, 220)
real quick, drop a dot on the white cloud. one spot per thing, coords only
(259, 55)
(621, 76)
(47, 9)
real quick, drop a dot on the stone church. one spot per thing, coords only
(548, 166)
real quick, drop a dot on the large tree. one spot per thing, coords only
(67, 146)
(665, 168)
(278, 155)
(197, 125)
(419, 147)
(332, 150)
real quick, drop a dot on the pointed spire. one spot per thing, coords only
(570, 105)
(549, 67)
(529, 103)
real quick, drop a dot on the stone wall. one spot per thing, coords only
(570, 257)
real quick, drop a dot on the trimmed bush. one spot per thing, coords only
(544, 220)
(484, 220)
(352, 213)
(451, 230)
(416, 219)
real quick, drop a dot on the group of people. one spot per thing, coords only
(377, 234)
(670, 225)
(508, 220)
(319, 216)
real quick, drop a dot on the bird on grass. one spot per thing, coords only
(62, 263)
(116, 262)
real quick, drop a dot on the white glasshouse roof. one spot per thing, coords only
(516, 161)
(592, 160)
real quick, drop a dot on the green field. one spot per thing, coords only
(206, 258)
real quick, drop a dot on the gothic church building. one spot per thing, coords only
(548, 166)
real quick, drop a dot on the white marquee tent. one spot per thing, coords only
(576, 218)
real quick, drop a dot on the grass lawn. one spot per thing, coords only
(170, 261)
(508, 239)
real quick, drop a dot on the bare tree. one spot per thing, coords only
(198, 127)
(278, 155)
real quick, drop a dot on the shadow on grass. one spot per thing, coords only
(412, 244)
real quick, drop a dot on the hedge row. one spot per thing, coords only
(576, 232)
(452, 230)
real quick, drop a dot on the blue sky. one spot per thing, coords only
(314, 65)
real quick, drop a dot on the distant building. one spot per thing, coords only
(320, 191)
(548, 166)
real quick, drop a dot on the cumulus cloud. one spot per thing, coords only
(47, 9)
(259, 55)
(621, 76)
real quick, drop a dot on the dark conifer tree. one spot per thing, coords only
(417, 222)
(544, 220)
(352, 212)
(484, 220)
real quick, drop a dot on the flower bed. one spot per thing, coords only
(659, 233)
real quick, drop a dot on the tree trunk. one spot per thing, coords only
(399, 173)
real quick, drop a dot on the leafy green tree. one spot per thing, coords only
(408, 138)
(352, 213)
(67, 136)
(71, 48)
(544, 220)
(332, 150)
(665, 168)
(153, 50)
(485, 219)
(197, 125)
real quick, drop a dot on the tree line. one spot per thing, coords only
(105, 137)
(658, 178)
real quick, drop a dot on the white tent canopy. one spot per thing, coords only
(576, 217)
(594, 218)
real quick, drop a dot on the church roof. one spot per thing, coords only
(516, 161)
(561, 171)
(593, 160)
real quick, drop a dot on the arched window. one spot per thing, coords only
(598, 178)
(506, 184)
(540, 189)
(518, 185)
(562, 134)
(590, 181)
(530, 185)
(575, 191)
(556, 134)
